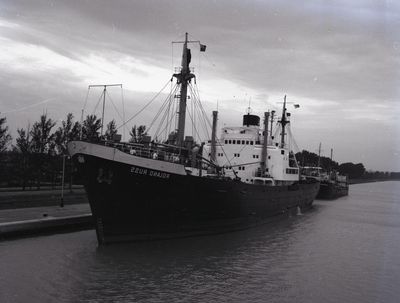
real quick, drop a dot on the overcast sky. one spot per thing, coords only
(340, 60)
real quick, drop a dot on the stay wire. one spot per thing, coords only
(158, 113)
(168, 101)
(123, 111)
(98, 102)
(115, 108)
(145, 106)
(202, 114)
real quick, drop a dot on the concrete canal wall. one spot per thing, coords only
(28, 213)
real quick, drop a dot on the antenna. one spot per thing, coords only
(249, 108)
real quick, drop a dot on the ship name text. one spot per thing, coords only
(149, 172)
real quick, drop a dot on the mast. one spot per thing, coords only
(104, 101)
(283, 121)
(183, 78)
(264, 151)
(102, 113)
(319, 154)
(213, 136)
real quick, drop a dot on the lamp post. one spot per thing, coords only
(62, 183)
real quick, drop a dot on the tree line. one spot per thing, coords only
(36, 157)
(352, 170)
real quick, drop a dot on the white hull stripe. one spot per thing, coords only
(113, 154)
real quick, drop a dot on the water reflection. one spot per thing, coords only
(343, 250)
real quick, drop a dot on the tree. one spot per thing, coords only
(43, 146)
(68, 131)
(137, 133)
(306, 158)
(42, 139)
(133, 134)
(111, 130)
(90, 128)
(354, 171)
(23, 140)
(5, 137)
(24, 149)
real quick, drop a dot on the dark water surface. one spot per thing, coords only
(346, 250)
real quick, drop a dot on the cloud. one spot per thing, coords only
(339, 60)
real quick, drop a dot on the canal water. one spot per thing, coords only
(346, 250)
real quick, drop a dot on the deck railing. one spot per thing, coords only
(157, 152)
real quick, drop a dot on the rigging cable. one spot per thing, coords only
(167, 101)
(205, 120)
(113, 104)
(202, 114)
(145, 106)
(123, 111)
(158, 113)
(98, 102)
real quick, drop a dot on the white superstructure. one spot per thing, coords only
(239, 152)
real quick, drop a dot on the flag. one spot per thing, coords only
(296, 105)
(202, 47)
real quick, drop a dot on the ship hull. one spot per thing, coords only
(130, 202)
(331, 191)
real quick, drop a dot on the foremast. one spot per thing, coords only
(284, 121)
(264, 152)
(183, 79)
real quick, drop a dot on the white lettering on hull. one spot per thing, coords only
(148, 172)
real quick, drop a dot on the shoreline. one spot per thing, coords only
(360, 181)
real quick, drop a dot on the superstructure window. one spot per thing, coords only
(230, 141)
(243, 142)
(257, 142)
(292, 171)
(226, 141)
(251, 142)
(282, 152)
(247, 142)
(233, 141)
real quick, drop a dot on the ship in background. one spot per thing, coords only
(333, 185)
(177, 188)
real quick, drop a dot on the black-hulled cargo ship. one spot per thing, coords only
(148, 190)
